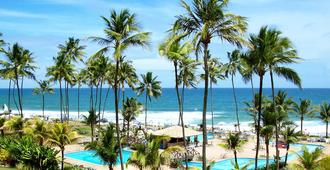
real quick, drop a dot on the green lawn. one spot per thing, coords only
(2, 168)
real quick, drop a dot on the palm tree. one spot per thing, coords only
(127, 76)
(215, 73)
(151, 87)
(280, 52)
(290, 137)
(58, 72)
(304, 108)
(122, 31)
(131, 109)
(231, 68)
(175, 52)
(147, 156)
(61, 135)
(19, 63)
(38, 129)
(107, 148)
(325, 116)
(44, 88)
(233, 142)
(79, 81)
(71, 51)
(308, 160)
(268, 127)
(15, 124)
(91, 120)
(205, 19)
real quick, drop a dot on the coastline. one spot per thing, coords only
(168, 118)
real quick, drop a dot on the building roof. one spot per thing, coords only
(176, 132)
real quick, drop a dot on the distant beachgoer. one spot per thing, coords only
(188, 140)
(196, 141)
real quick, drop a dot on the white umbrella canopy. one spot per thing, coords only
(176, 132)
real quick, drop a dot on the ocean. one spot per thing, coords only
(164, 110)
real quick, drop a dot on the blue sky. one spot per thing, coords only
(40, 25)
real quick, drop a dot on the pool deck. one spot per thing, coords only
(214, 153)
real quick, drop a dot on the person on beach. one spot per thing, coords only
(196, 141)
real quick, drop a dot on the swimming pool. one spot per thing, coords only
(200, 137)
(227, 163)
(90, 157)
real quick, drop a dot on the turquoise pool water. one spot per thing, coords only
(90, 157)
(227, 165)
(200, 137)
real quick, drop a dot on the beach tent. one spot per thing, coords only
(175, 133)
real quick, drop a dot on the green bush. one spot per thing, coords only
(29, 154)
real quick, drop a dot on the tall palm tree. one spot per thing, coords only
(304, 108)
(216, 72)
(308, 160)
(205, 19)
(280, 52)
(122, 31)
(19, 63)
(79, 77)
(325, 116)
(290, 137)
(107, 148)
(58, 72)
(231, 67)
(61, 135)
(127, 76)
(131, 109)
(233, 142)
(269, 52)
(91, 120)
(71, 51)
(175, 52)
(268, 126)
(151, 87)
(44, 88)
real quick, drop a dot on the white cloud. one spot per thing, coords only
(20, 14)
(152, 64)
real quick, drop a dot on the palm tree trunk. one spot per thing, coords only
(96, 96)
(235, 156)
(61, 100)
(21, 89)
(62, 162)
(128, 129)
(236, 107)
(78, 100)
(19, 95)
(258, 124)
(206, 88)
(326, 130)
(92, 132)
(68, 100)
(276, 121)
(267, 152)
(105, 100)
(301, 124)
(146, 110)
(91, 102)
(211, 93)
(9, 88)
(286, 154)
(252, 87)
(180, 101)
(43, 105)
(14, 98)
(100, 101)
(117, 114)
